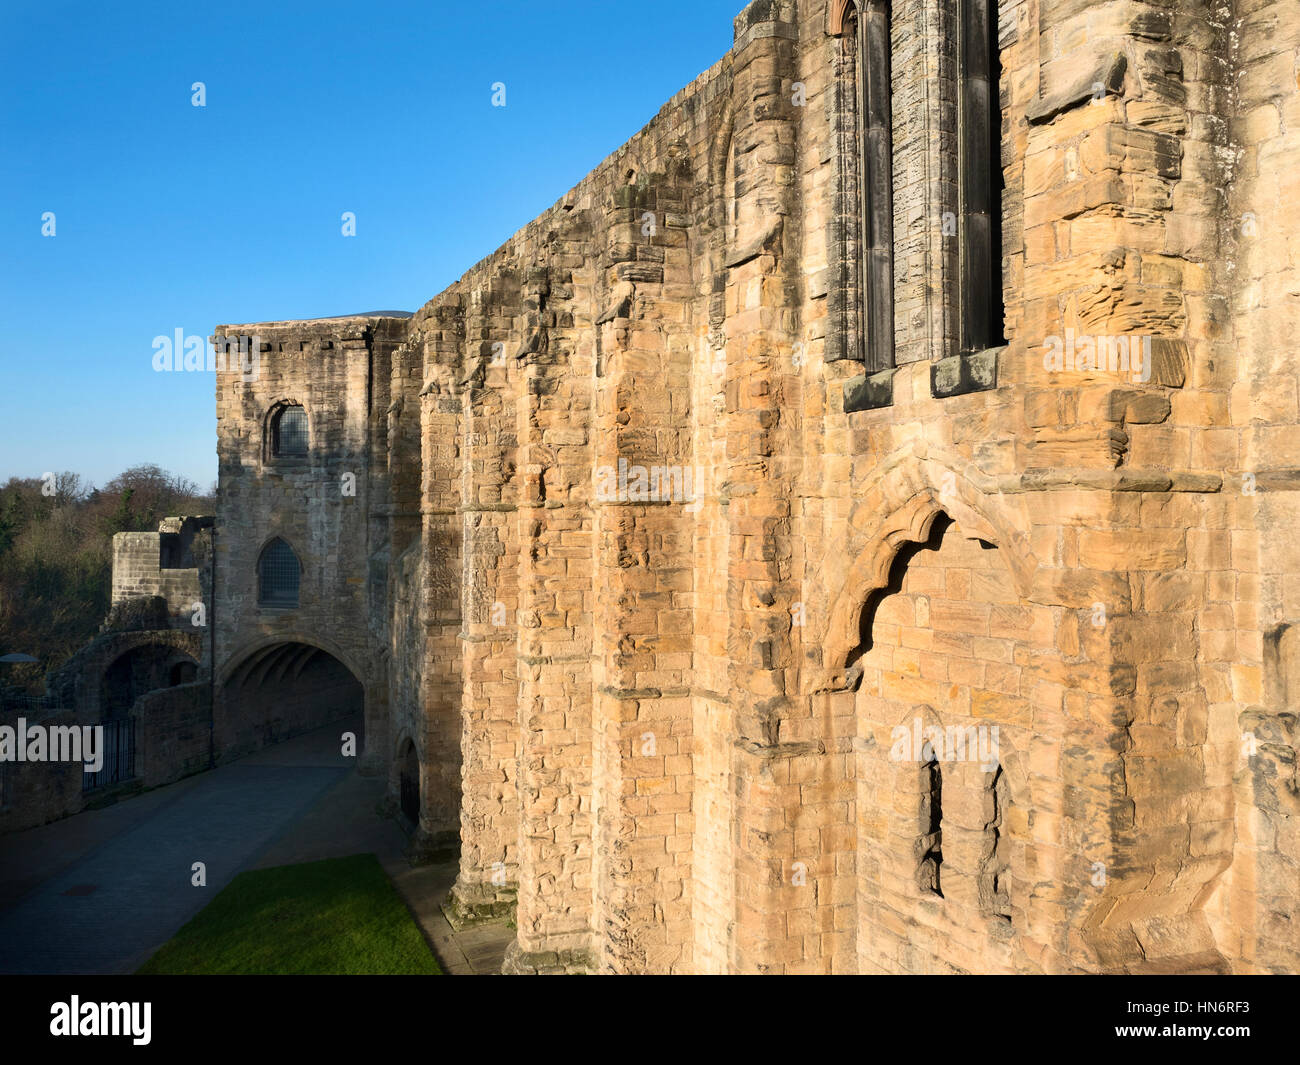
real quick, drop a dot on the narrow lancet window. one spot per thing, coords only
(289, 431)
(995, 900)
(278, 574)
(930, 844)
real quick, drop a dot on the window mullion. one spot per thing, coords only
(876, 112)
(980, 270)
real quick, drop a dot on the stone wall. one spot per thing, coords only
(331, 505)
(80, 682)
(173, 733)
(172, 738)
(173, 563)
(663, 714)
(35, 793)
(1254, 692)
(123, 673)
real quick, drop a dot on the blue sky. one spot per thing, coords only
(169, 216)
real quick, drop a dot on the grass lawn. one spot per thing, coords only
(340, 916)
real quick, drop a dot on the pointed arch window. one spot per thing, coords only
(278, 575)
(996, 862)
(289, 431)
(930, 844)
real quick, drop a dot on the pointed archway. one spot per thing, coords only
(281, 690)
(948, 701)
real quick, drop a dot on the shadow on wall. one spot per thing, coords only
(409, 781)
(142, 669)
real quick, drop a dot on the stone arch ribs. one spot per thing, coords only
(255, 661)
(279, 688)
(280, 661)
(274, 663)
(295, 664)
(240, 658)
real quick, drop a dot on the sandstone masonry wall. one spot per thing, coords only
(652, 571)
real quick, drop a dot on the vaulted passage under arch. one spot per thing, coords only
(280, 691)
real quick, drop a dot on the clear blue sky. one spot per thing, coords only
(170, 216)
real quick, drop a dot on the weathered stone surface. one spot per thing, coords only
(1079, 80)
(665, 717)
(869, 392)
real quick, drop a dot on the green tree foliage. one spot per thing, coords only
(56, 550)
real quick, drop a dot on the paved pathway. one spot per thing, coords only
(101, 891)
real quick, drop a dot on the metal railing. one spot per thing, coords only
(119, 756)
(22, 703)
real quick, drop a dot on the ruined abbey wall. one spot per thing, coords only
(1256, 315)
(654, 572)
